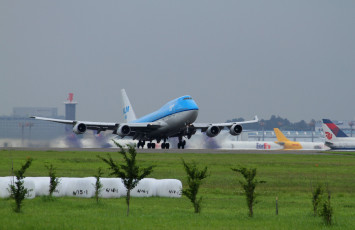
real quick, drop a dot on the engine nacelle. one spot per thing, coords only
(123, 130)
(235, 130)
(79, 128)
(212, 131)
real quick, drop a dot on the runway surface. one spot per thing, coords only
(197, 151)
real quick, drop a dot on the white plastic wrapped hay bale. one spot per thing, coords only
(79, 187)
(168, 188)
(41, 185)
(30, 186)
(145, 188)
(112, 188)
(5, 186)
(60, 190)
(5, 183)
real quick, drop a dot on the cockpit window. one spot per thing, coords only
(187, 98)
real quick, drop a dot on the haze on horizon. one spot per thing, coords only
(235, 58)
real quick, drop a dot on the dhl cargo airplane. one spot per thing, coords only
(335, 138)
(174, 119)
(294, 145)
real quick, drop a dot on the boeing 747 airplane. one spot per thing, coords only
(174, 119)
(335, 138)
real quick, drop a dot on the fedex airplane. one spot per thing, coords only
(287, 144)
(175, 119)
(335, 138)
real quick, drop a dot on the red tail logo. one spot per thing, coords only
(328, 135)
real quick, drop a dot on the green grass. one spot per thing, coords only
(224, 207)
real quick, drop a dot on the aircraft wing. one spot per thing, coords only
(89, 124)
(103, 126)
(204, 126)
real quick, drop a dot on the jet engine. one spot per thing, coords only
(212, 131)
(79, 128)
(235, 129)
(124, 130)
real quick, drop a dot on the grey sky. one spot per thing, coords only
(295, 59)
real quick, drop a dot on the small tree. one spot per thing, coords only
(53, 180)
(316, 198)
(327, 211)
(194, 180)
(129, 172)
(98, 184)
(17, 190)
(249, 185)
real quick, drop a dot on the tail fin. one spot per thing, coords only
(128, 112)
(280, 136)
(331, 130)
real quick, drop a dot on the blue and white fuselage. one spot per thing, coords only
(173, 117)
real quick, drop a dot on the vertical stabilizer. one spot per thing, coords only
(331, 130)
(128, 112)
(280, 136)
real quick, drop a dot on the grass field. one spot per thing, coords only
(288, 178)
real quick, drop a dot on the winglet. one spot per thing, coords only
(256, 118)
(128, 112)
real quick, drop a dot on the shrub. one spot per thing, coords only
(316, 198)
(327, 211)
(129, 172)
(98, 184)
(53, 179)
(249, 186)
(194, 180)
(17, 190)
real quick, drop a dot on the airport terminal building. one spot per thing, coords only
(20, 126)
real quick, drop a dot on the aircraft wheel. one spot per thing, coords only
(153, 145)
(179, 145)
(167, 145)
(149, 145)
(163, 146)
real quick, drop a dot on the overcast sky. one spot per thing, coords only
(295, 59)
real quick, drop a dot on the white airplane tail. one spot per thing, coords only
(128, 112)
(331, 131)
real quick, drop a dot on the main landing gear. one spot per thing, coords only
(151, 145)
(181, 143)
(141, 144)
(165, 145)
